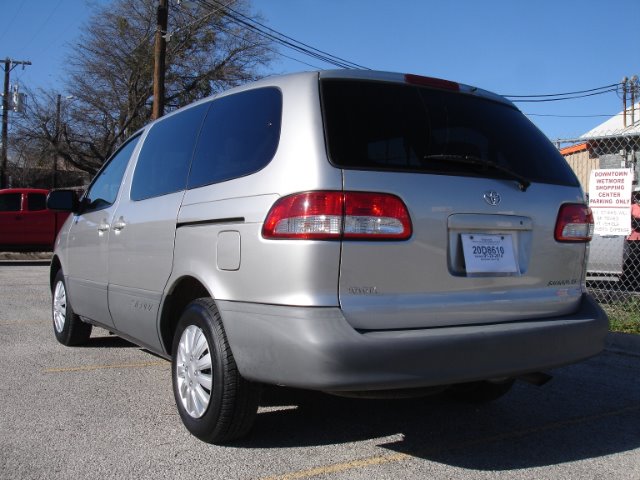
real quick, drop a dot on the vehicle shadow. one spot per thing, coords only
(532, 426)
(109, 341)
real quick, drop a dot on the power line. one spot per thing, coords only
(196, 19)
(42, 25)
(293, 43)
(280, 38)
(340, 59)
(10, 22)
(240, 37)
(559, 99)
(565, 94)
(573, 116)
(289, 42)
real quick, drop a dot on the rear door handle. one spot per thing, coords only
(119, 225)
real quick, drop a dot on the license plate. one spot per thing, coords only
(485, 253)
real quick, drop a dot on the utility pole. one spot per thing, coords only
(8, 66)
(159, 59)
(57, 137)
(634, 88)
(625, 80)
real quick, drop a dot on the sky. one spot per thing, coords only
(511, 47)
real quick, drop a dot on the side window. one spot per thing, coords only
(104, 190)
(240, 136)
(165, 156)
(10, 202)
(36, 201)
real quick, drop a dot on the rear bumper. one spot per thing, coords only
(315, 348)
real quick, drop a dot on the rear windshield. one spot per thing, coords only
(384, 126)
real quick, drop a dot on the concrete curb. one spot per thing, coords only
(25, 256)
(626, 343)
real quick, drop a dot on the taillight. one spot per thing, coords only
(329, 215)
(375, 216)
(310, 215)
(574, 223)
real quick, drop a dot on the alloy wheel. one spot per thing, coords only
(194, 371)
(59, 307)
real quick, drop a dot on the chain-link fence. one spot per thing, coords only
(613, 268)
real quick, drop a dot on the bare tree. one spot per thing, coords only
(46, 132)
(110, 75)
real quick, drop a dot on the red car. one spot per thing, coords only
(25, 221)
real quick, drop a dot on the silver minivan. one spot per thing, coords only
(352, 232)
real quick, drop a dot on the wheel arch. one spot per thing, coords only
(182, 292)
(55, 267)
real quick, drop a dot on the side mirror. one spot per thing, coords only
(63, 200)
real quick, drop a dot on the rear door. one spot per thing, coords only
(482, 248)
(143, 227)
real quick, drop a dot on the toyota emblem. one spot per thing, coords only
(492, 198)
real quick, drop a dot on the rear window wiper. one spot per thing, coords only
(523, 182)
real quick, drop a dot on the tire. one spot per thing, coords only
(480, 392)
(216, 404)
(67, 326)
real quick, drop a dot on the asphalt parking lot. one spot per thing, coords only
(106, 410)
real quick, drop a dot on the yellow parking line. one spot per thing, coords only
(399, 457)
(89, 368)
(18, 322)
(341, 467)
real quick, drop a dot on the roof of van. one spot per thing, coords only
(397, 77)
(358, 74)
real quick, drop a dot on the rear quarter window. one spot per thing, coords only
(240, 136)
(386, 126)
(165, 156)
